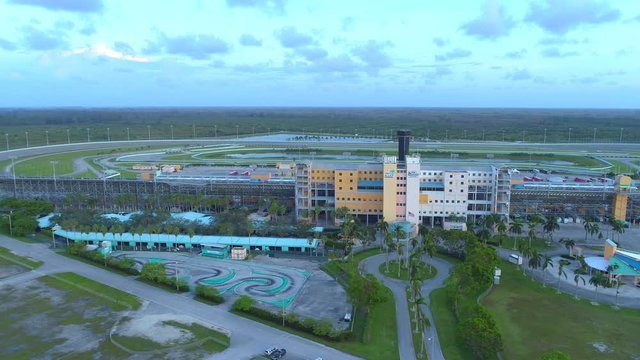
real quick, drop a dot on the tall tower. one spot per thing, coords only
(403, 145)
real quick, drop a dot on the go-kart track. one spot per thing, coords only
(270, 284)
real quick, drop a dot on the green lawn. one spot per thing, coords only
(537, 243)
(80, 286)
(20, 260)
(621, 168)
(425, 271)
(417, 337)
(534, 320)
(441, 308)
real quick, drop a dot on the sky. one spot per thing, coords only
(324, 53)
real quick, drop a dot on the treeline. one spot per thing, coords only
(21, 214)
(476, 328)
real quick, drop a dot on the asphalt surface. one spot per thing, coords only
(248, 338)
(398, 288)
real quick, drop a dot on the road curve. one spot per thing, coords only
(405, 340)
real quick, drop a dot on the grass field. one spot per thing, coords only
(534, 320)
(80, 286)
(621, 168)
(425, 271)
(20, 260)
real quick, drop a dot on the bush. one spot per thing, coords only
(125, 265)
(565, 256)
(320, 328)
(156, 273)
(209, 293)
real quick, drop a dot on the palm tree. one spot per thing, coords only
(383, 227)
(595, 229)
(418, 302)
(531, 230)
(400, 252)
(390, 246)
(576, 278)
(561, 272)
(546, 262)
(430, 248)
(516, 229)
(587, 228)
(535, 260)
(192, 232)
(569, 244)
(502, 230)
(597, 280)
(618, 226)
(551, 225)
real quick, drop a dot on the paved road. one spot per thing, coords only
(248, 338)
(405, 341)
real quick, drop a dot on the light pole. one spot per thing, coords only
(215, 131)
(26, 135)
(6, 135)
(523, 133)
(465, 134)
(171, 131)
(482, 134)
(53, 164)
(237, 133)
(68, 137)
(446, 135)
(10, 225)
(620, 137)
(108, 135)
(544, 141)
(502, 135)
(254, 131)
(128, 135)
(149, 132)
(194, 130)
(13, 170)
(569, 135)
(268, 131)
(594, 134)
(46, 134)
(88, 135)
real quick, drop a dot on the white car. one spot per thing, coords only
(270, 350)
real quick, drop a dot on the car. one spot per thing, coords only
(347, 317)
(270, 350)
(278, 354)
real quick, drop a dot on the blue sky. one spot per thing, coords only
(538, 53)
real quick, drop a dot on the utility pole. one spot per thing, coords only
(26, 135)
(108, 135)
(171, 131)
(620, 137)
(544, 141)
(128, 135)
(482, 134)
(194, 130)
(502, 135)
(53, 164)
(68, 137)
(13, 170)
(523, 133)
(149, 132)
(215, 131)
(46, 134)
(268, 131)
(569, 135)
(237, 133)
(10, 225)
(6, 135)
(88, 135)
(594, 134)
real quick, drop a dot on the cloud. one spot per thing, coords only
(561, 16)
(339, 64)
(453, 54)
(348, 23)
(554, 52)
(440, 42)
(585, 80)
(7, 45)
(36, 39)
(83, 6)
(437, 74)
(195, 46)
(64, 25)
(373, 54)
(518, 75)
(100, 50)
(291, 38)
(516, 54)
(88, 29)
(250, 40)
(276, 6)
(559, 40)
(492, 23)
(312, 53)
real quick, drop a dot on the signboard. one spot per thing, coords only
(413, 174)
(390, 174)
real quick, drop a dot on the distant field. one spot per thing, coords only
(525, 125)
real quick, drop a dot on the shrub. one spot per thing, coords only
(209, 293)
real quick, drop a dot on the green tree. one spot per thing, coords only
(561, 272)
(23, 224)
(551, 225)
(516, 229)
(156, 272)
(598, 280)
(569, 244)
(244, 303)
(577, 277)
(546, 262)
(480, 333)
